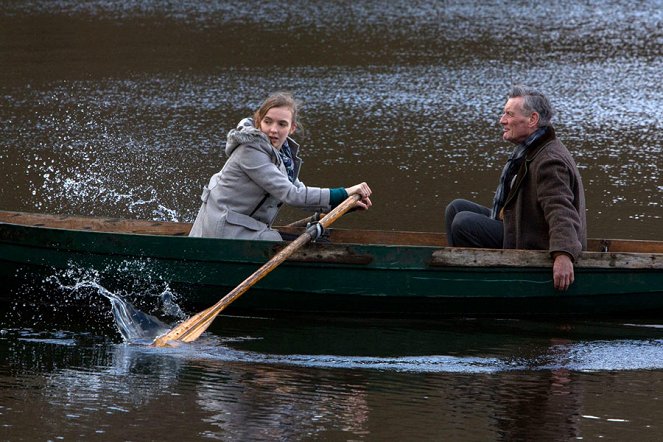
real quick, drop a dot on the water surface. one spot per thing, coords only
(121, 109)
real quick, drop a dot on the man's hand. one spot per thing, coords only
(562, 271)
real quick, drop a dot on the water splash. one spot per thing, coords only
(135, 326)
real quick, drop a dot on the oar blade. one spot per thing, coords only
(188, 330)
(195, 332)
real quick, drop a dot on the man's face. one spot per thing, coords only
(517, 125)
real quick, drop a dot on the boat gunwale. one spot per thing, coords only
(613, 254)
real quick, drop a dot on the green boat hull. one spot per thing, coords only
(348, 279)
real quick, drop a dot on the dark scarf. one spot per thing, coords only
(511, 169)
(286, 156)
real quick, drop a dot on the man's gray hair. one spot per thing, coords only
(534, 101)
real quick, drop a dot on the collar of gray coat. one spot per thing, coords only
(247, 135)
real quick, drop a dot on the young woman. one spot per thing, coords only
(261, 173)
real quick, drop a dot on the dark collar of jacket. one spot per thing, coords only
(294, 146)
(533, 152)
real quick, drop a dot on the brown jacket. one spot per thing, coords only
(545, 208)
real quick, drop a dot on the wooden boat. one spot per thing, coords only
(358, 272)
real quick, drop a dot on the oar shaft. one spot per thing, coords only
(249, 282)
(271, 264)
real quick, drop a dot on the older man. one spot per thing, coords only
(539, 202)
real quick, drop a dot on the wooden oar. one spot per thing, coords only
(192, 328)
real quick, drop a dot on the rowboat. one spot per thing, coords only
(353, 272)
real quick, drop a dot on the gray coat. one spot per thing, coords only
(243, 199)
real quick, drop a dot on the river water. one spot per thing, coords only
(121, 109)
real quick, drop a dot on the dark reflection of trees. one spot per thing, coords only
(260, 402)
(540, 405)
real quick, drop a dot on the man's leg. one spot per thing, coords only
(469, 224)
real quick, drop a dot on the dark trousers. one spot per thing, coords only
(469, 224)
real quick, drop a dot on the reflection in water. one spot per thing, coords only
(546, 403)
(282, 404)
(222, 391)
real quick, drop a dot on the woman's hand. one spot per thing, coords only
(364, 191)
